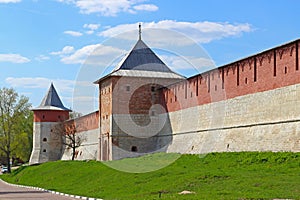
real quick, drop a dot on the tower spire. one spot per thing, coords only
(140, 31)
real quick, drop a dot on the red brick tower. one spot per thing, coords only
(47, 144)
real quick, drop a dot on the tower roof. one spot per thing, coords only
(51, 101)
(142, 61)
(141, 57)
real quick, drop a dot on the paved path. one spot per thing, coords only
(8, 192)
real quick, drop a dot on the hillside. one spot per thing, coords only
(246, 175)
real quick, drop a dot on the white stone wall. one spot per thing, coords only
(47, 144)
(265, 121)
(89, 147)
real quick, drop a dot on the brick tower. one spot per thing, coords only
(130, 104)
(47, 143)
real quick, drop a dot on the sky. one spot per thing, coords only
(72, 43)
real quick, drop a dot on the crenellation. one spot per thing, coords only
(251, 104)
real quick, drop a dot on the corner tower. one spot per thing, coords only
(47, 143)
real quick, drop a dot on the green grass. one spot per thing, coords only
(246, 175)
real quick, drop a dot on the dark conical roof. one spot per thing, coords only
(143, 58)
(51, 101)
(142, 62)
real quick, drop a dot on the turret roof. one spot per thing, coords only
(142, 61)
(51, 101)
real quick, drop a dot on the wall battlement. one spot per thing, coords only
(271, 69)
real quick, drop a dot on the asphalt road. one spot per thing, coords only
(18, 193)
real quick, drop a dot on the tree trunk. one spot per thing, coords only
(8, 161)
(73, 154)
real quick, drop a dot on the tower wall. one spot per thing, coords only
(135, 123)
(47, 139)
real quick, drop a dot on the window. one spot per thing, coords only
(285, 70)
(134, 148)
(43, 116)
(127, 88)
(44, 139)
(44, 150)
(152, 89)
(152, 112)
(246, 80)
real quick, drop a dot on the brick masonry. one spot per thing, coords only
(252, 104)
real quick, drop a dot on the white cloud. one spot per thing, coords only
(200, 32)
(42, 58)
(66, 50)
(110, 8)
(91, 27)
(91, 54)
(73, 33)
(189, 62)
(10, 1)
(40, 82)
(146, 7)
(13, 58)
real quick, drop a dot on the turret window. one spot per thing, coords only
(134, 148)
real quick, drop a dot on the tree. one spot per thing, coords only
(70, 136)
(14, 119)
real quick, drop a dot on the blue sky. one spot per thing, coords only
(51, 40)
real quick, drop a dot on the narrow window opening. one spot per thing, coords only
(222, 78)
(197, 88)
(285, 70)
(255, 70)
(58, 116)
(238, 76)
(44, 139)
(127, 88)
(191, 94)
(134, 148)
(152, 113)
(274, 72)
(216, 87)
(246, 80)
(44, 150)
(152, 89)
(297, 57)
(43, 116)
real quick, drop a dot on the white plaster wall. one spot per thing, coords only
(265, 121)
(52, 146)
(89, 147)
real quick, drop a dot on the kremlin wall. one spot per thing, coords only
(252, 104)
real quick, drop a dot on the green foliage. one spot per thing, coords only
(15, 125)
(244, 175)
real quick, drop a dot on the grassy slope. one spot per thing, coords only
(215, 176)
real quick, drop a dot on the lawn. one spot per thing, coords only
(244, 175)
